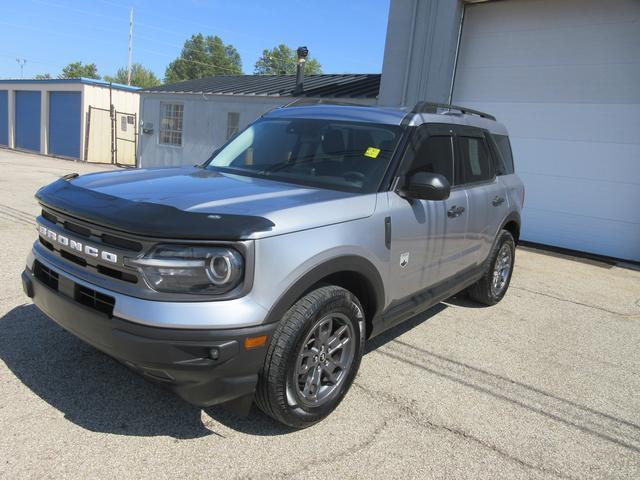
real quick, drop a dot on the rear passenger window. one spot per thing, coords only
(504, 149)
(433, 154)
(475, 160)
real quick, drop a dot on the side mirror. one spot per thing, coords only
(426, 186)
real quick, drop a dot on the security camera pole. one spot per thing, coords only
(303, 53)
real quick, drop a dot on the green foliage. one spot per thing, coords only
(140, 76)
(77, 70)
(204, 57)
(282, 60)
(43, 76)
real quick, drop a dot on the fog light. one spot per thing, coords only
(214, 353)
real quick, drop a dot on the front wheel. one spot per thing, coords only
(313, 357)
(493, 285)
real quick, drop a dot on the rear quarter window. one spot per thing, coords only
(503, 146)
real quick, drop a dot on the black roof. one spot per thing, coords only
(330, 86)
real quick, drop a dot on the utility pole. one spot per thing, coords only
(21, 62)
(130, 45)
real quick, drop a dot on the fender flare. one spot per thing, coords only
(514, 216)
(346, 264)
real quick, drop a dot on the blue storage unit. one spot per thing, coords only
(27, 125)
(4, 118)
(64, 123)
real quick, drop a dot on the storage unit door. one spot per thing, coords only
(564, 77)
(27, 120)
(65, 118)
(4, 118)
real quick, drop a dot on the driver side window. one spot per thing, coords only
(430, 153)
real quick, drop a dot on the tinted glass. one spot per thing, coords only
(475, 160)
(333, 154)
(433, 154)
(504, 149)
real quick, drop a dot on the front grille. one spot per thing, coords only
(47, 244)
(85, 232)
(121, 242)
(119, 274)
(45, 275)
(49, 216)
(73, 258)
(93, 299)
(95, 236)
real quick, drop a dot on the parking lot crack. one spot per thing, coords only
(420, 419)
(574, 302)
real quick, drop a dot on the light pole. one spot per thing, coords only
(21, 62)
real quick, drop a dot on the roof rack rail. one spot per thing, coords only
(321, 101)
(432, 107)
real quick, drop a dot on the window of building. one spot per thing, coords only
(171, 123)
(233, 124)
(432, 154)
(123, 123)
(475, 160)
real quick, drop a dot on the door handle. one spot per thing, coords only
(454, 211)
(497, 200)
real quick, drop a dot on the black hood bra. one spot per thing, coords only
(145, 218)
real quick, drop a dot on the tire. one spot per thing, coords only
(304, 333)
(484, 290)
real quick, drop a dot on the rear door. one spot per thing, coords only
(488, 204)
(427, 238)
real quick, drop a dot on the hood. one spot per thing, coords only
(195, 203)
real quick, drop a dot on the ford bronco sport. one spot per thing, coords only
(259, 275)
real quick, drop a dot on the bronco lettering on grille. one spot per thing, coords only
(77, 246)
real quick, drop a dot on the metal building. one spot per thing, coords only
(183, 123)
(70, 118)
(564, 77)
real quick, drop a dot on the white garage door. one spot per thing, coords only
(564, 77)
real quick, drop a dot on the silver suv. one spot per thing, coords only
(260, 274)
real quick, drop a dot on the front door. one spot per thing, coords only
(427, 237)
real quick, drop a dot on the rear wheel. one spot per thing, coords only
(313, 357)
(493, 285)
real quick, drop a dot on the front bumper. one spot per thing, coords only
(204, 366)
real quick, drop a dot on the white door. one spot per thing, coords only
(564, 77)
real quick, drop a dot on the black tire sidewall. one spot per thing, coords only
(505, 238)
(340, 302)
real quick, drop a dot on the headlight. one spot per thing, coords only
(194, 270)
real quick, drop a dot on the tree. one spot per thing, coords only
(43, 76)
(77, 70)
(282, 60)
(140, 76)
(204, 57)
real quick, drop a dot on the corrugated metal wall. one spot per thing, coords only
(65, 123)
(4, 117)
(27, 118)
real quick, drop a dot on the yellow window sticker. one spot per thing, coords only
(372, 152)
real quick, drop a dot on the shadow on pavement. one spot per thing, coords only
(98, 393)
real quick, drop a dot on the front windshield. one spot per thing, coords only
(341, 155)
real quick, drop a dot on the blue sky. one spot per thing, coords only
(345, 36)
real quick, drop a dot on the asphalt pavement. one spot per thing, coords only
(544, 385)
